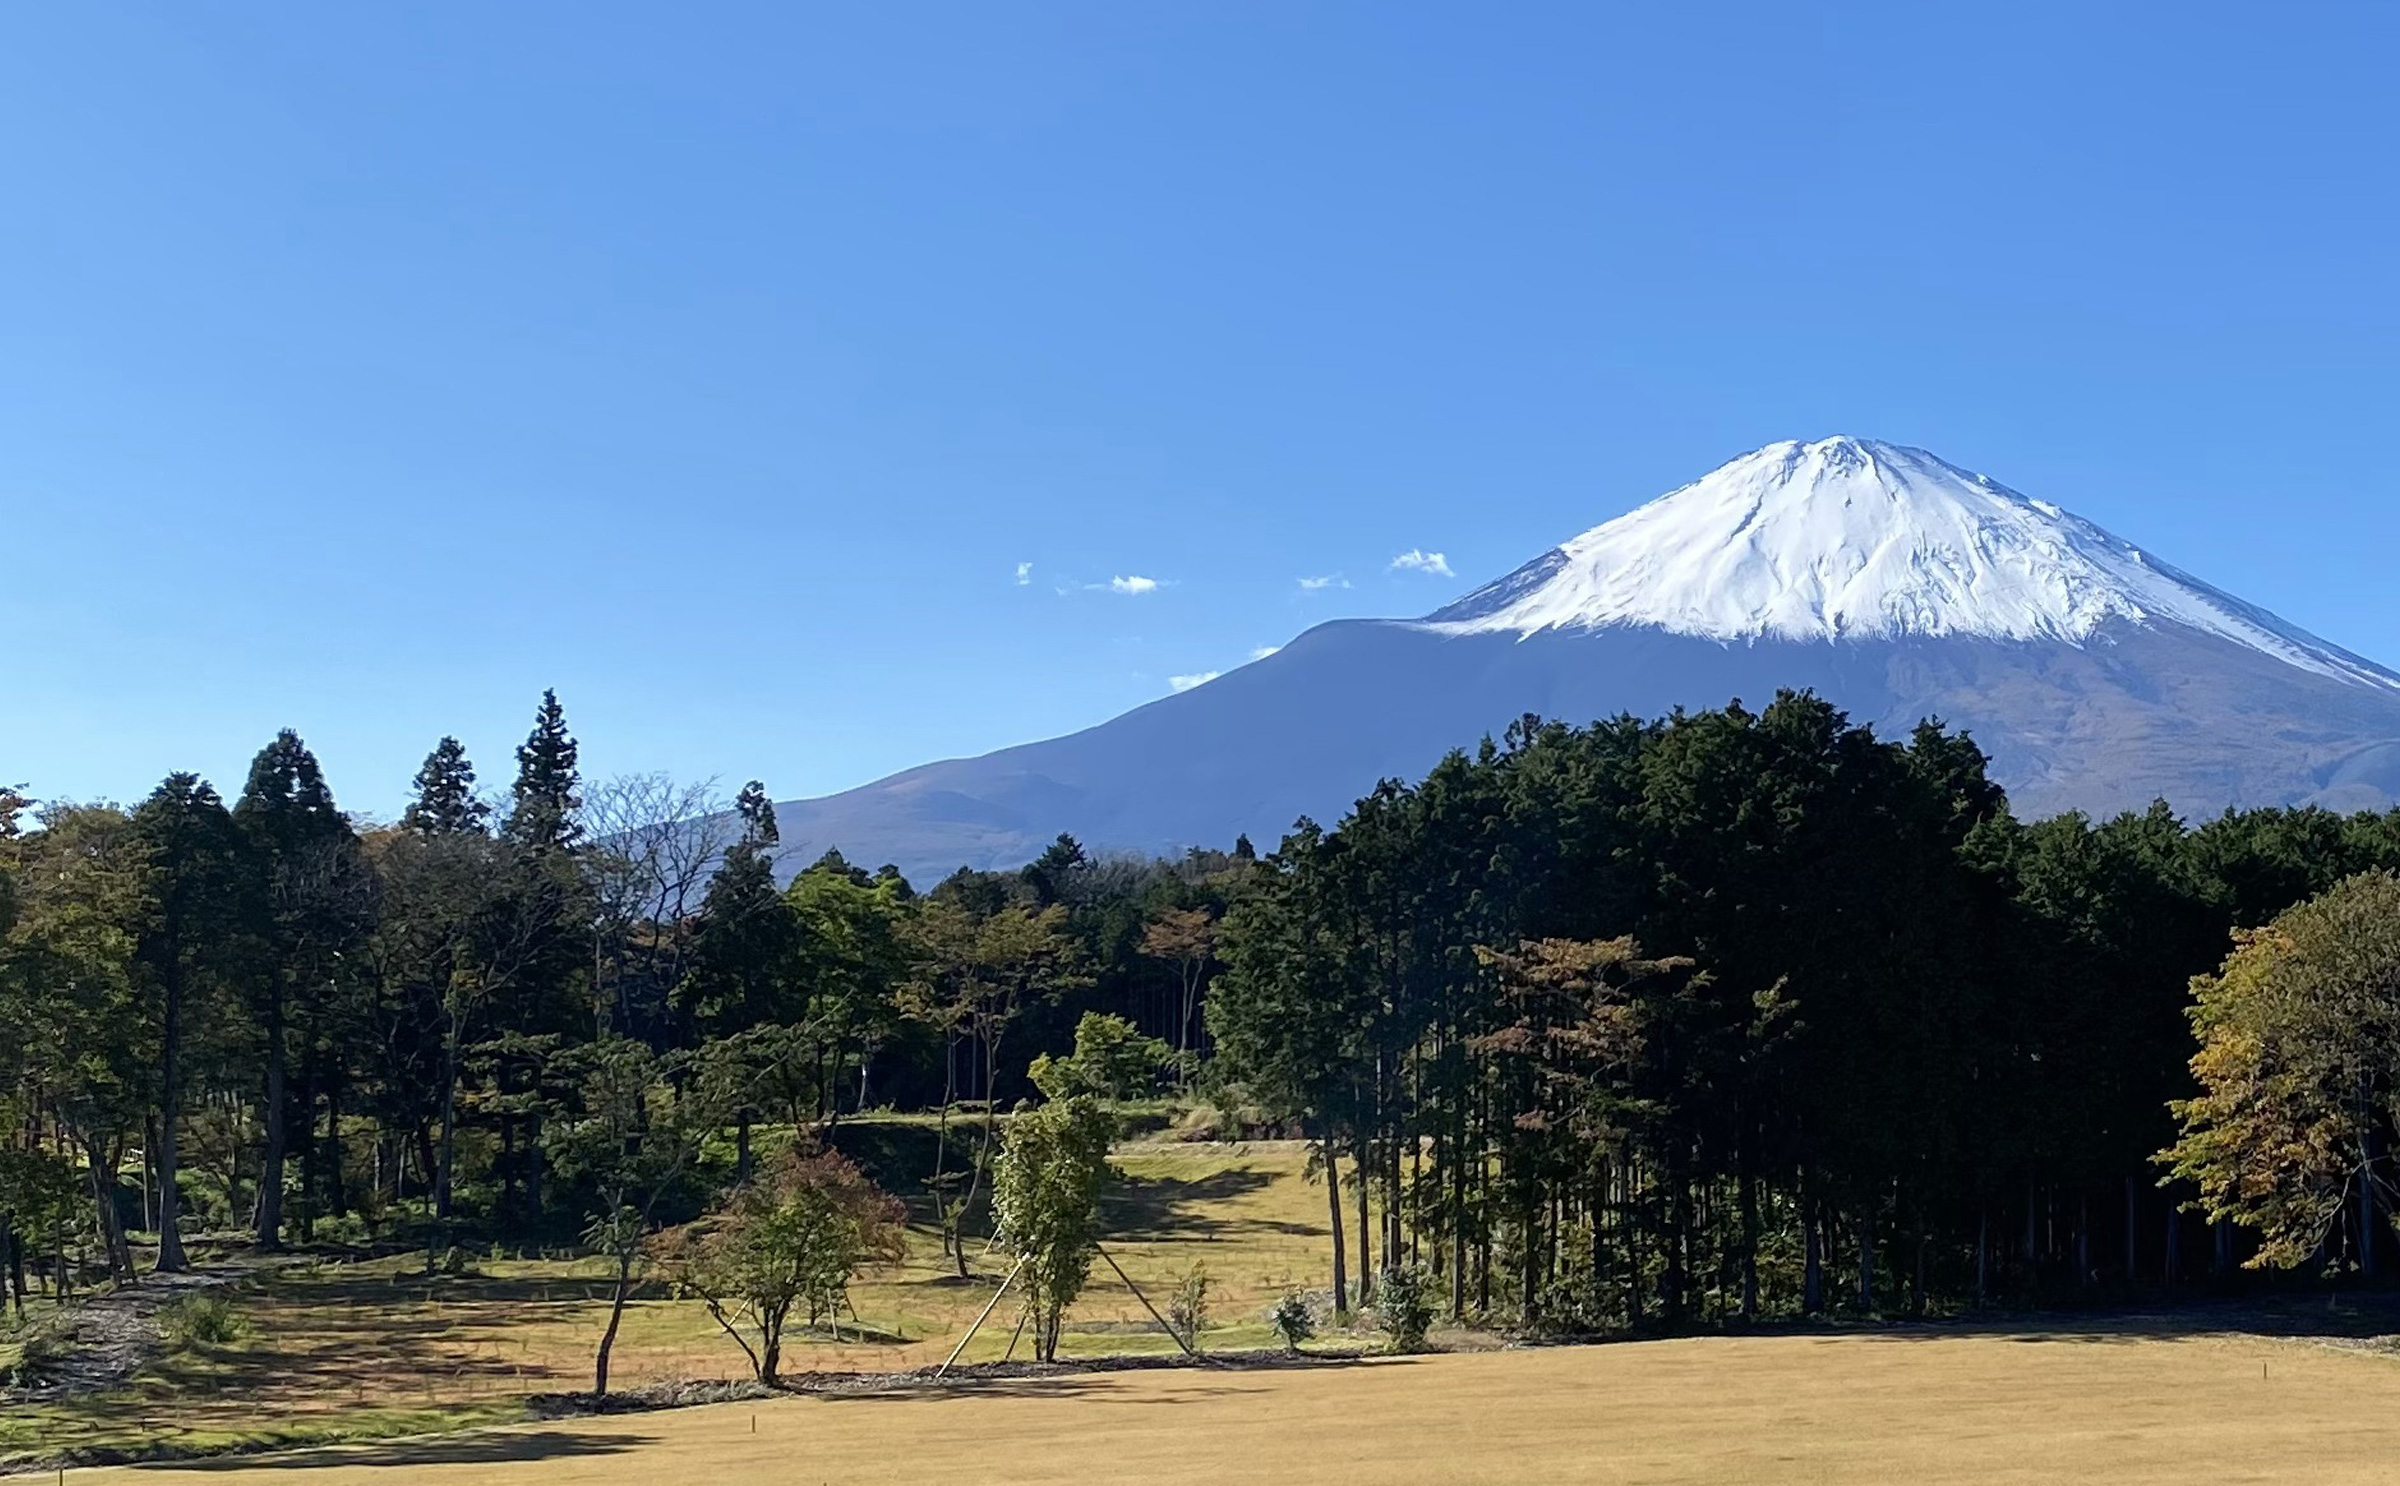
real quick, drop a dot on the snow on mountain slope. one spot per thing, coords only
(1850, 539)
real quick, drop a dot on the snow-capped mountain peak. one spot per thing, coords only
(1853, 539)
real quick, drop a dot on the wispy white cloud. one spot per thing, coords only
(1263, 651)
(1134, 583)
(1200, 678)
(1327, 580)
(1024, 574)
(1417, 560)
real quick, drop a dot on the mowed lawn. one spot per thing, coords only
(1879, 1408)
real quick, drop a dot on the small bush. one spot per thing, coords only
(1293, 1320)
(1404, 1308)
(1187, 1312)
(201, 1321)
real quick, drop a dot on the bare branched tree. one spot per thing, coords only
(653, 845)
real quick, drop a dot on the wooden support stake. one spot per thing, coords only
(979, 1320)
(1172, 1334)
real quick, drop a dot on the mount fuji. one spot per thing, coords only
(1892, 583)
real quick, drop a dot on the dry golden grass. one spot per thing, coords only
(1870, 1408)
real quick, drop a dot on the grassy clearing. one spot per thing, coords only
(372, 1350)
(1861, 1408)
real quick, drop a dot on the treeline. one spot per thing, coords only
(1718, 1016)
(1735, 1014)
(269, 1018)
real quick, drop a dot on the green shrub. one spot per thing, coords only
(1112, 1061)
(1404, 1308)
(1293, 1320)
(201, 1321)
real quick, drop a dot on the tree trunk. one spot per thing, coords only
(2133, 1263)
(12, 1254)
(270, 1181)
(108, 1226)
(2083, 1240)
(171, 1258)
(149, 1171)
(1866, 1262)
(1598, 1198)
(449, 1151)
(1812, 1270)
(1366, 1241)
(1629, 1224)
(1749, 1201)
(1333, 1203)
(1916, 1284)
(1530, 1262)
(2366, 1201)
(616, 1314)
(1983, 1255)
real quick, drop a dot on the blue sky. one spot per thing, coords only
(367, 369)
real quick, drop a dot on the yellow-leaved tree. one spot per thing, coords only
(2299, 1050)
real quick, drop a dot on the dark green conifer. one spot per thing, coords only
(445, 804)
(547, 789)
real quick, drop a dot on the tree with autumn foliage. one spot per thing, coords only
(2299, 1074)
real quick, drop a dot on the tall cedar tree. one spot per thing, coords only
(445, 802)
(317, 906)
(192, 948)
(547, 793)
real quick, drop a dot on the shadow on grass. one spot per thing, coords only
(492, 1448)
(1160, 1207)
(449, 1290)
(2357, 1316)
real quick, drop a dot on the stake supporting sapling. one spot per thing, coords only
(989, 1307)
(1175, 1335)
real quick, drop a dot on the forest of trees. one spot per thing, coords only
(1726, 1015)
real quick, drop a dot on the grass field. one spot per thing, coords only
(376, 1351)
(372, 1350)
(1865, 1408)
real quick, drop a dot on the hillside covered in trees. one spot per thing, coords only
(1713, 1017)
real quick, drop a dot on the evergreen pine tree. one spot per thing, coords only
(1052, 875)
(445, 804)
(195, 929)
(546, 793)
(316, 895)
